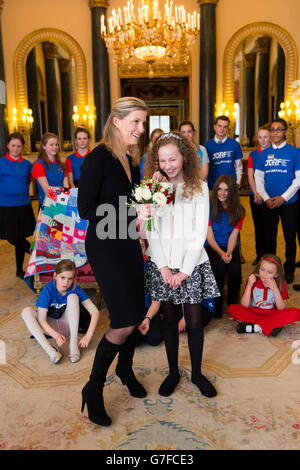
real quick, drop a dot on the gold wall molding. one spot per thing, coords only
(249, 59)
(159, 69)
(48, 35)
(261, 28)
(203, 2)
(263, 44)
(98, 3)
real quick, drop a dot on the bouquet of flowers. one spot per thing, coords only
(147, 196)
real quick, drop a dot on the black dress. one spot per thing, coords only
(117, 260)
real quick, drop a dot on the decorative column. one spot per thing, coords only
(100, 67)
(3, 109)
(207, 68)
(262, 80)
(279, 80)
(249, 96)
(50, 54)
(33, 97)
(66, 98)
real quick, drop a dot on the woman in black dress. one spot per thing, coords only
(107, 178)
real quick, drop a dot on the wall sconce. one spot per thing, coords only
(84, 116)
(290, 111)
(22, 121)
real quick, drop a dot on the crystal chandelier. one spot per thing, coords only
(149, 34)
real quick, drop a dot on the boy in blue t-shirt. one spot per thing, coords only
(58, 313)
(277, 179)
(225, 154)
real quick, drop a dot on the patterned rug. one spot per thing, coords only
(257, 406)
(257, 379)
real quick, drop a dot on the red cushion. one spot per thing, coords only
(84, 274)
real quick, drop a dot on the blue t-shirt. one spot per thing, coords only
(14, 182)
(50, 297)
(279, 165)
(76, 160)
(221, 228)
(55, 177)
(221, 158)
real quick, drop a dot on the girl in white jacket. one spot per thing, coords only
(178, 272)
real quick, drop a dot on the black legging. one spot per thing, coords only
(234, 275)
(195, 331)
(22, 246)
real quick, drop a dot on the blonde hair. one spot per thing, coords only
(191, 162)
(111, 135)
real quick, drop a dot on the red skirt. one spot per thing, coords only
(267, 319)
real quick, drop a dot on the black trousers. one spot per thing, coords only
(258, 221)
(288, 214)
(220, 268)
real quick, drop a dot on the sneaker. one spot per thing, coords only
(275, 331)
(241, 328)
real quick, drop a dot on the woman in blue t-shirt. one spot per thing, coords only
(48, 170)
(75, 161)
(222, 244)
(17, 219)
(58, 313)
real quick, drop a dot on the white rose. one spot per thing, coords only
(138, 194)
(159, 199)
(164, 185)
(146, 194)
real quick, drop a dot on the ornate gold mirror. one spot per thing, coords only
(260, 70)
(50, 78)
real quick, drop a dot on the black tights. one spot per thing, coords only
(22, 246)
(195, 330)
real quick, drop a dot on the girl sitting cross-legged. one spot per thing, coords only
(263, 307)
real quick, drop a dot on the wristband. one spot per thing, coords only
(148, 318)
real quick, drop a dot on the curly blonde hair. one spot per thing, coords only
(191, 162)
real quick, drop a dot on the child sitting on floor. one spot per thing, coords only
(58, 312)
(263, 307)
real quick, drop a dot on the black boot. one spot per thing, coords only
(124, 367)
(92, 392)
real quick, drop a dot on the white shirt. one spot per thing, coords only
(181, 230)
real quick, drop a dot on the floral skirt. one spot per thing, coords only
(200, 285)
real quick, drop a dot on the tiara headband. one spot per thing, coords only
(168, 135)
(271, 259)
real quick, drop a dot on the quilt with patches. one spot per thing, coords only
(59, 233)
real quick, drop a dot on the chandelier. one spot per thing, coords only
(149, 34)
